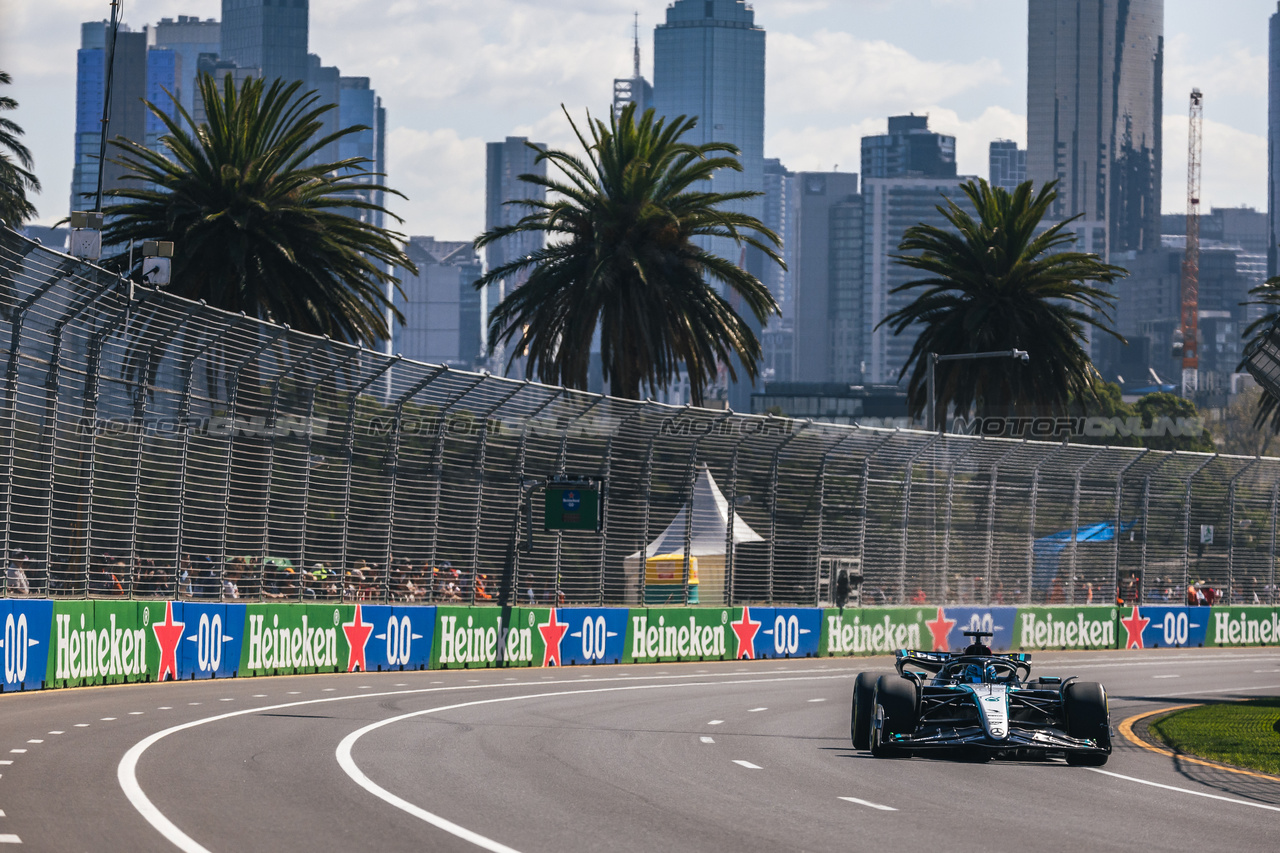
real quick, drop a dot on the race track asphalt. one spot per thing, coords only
(745, 756)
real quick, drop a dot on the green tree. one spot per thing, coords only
(1236, 432)
(996, 279)
(1266, 415)
(1105, 402)
(16, 177)
(1152, 408)
(254, 227)
(622, 256)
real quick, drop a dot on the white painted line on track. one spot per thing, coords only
(1, 812)
(10, 839)
(82, 725)
(127, 770)
(57, 733)
(1203, 692)
(754, 710)
(136, 713)
(869, 804)
(817, 700)
(107, 719)
(1186, 790)
(165, 708)
(1166, 676)
(35, 740)
(17, 751)
(715, 722)
(706, 739)
(7, 761)
(259, 696)
(1267, 670)
(747, 764)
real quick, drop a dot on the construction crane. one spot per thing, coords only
(1189, 332)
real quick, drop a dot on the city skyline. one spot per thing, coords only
(494, 71)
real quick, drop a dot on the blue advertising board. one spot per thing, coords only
(212, 637)
(401, 638)
(27, 627)
(998, 621)
(1163, 627)
(787, 632)
(594, 635)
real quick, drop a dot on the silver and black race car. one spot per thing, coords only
(982, 704)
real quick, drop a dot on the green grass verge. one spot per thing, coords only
(1246, 734)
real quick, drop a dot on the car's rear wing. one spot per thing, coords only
(933, 662)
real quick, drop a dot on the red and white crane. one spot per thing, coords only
(1190, 328)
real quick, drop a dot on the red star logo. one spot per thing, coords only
(940, 628)
(168, 635)
(357, 632)
(552, 633)
(746, 631)
(1134, 626)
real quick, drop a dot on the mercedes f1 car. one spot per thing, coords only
(979, 703)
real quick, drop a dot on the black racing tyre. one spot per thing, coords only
(1085, 706)
(860, 717)
(894, 697)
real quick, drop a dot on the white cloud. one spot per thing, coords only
(1233, 167)
(1235, 71)
(437, 170)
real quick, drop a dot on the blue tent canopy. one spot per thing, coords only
(1047, 550)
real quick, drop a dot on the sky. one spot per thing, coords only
(455, 74)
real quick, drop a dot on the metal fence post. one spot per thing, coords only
(49, 434)
(1231, 528)
(1186, 523)
(692, 480)
(604, 495)
(479, 469)
(991, 516)
(393, 466)
(1146, 506)
(866, 488)
(348, 453)
(1115, 562)
(946, 532)
(273, 411)
(521, 455)
(437, 455)
(906, 513)
(773, 502)
(306, 451)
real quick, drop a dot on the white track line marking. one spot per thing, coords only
(1267, 670)
(754, 710)
(259, 696)
(57, 733)
(1, 812)
(82, 725)
(165, 708)
(107, 719)
(17, 751)
(1186, 790)
(715, 722)
(136, 713)
(869, 804)
(127, 770)
(35, 740)
(747, 764)
(10, 839)
(1166, 676)
(328, 689)
(817, 700)
(7, 761)
(706, 739)
(1203, 692)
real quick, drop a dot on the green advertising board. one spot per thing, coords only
(477, 637)
(281, 639)
(1244, 626)
(873, 630)
(680, 633)
(572, 506)
(98, 642)
(1065, 628)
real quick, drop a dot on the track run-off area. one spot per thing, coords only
(709, 756)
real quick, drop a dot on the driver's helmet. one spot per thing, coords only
(973, 674)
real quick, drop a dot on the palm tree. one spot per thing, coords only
(1267, 294)
(16, 177)
(623, 259)
(996, 281)
(254, 227)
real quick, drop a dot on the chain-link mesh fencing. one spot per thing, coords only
(158, 447)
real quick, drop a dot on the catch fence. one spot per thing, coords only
(156, 447)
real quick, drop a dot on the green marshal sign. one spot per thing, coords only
(572, 505)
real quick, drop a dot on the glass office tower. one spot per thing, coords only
(266, 34)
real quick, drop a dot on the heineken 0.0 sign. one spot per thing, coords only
(572, 505)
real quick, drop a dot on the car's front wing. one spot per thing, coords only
(975, 736)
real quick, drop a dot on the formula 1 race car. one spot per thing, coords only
(982, 704)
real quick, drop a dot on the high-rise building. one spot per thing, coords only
(188, 37)
(1094, 108)
(505, 162)
(359, 105)
(814, 273)
(266, 34)
(441, 308)
(780, 205)
(218, 69)
(891, 205)
(909, 150)
(634, 89)
(1006, 164)
(1273, 146)
(129, 115)
(708, 63)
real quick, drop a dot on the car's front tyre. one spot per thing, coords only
(864, 688)
(1085, 706)
(895, 708)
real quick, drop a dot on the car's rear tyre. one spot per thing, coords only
(1085, 706)
(896, 705)
(864, 686)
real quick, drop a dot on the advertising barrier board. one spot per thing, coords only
(681, 633)
(1065, 628)
(1161, 627)
(1244, 626)
(594, 635)
(25, 643)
